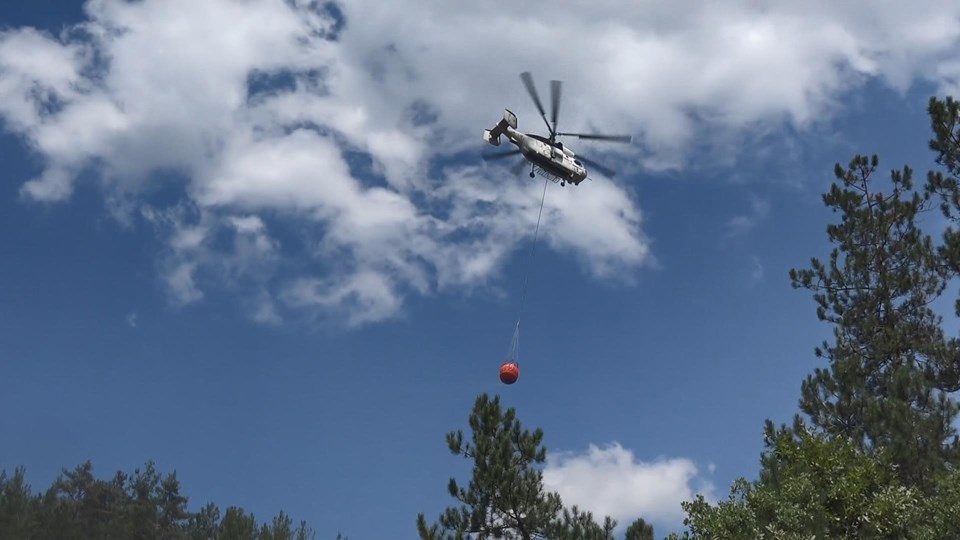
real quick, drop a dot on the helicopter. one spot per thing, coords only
(546, 155)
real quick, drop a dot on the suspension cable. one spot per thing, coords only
(515, 342)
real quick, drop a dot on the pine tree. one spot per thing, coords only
(889, 352)
(505, 497)
(945, 122)
(639, 530)
(880, 460)
(17, 513)
(144, 505)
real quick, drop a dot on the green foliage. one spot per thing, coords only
(945, 121)
(17, 506)
(238, 525)
(812, 486)
(817, 486)
(639, 530)
(881, 457)
(144, 505)
(505, 497)
(889, 351)
(941, 513)
(575, 524)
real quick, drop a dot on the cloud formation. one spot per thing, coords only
(611, 482)
(744, 223)
(344, 123)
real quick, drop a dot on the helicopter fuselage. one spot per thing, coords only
(551, 159)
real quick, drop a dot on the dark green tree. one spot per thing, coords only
(882, 386)
(880, 458)
(813, 486)
(238, 525)
(282, 529)
(204, 524)
(639, 530)
(145, 505)
(18, 507)
(945, 122)
(505, 497)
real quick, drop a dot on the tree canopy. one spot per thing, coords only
(505, 497)
(878, 456)
(143, 505)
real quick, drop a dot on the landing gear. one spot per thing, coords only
(563, 184)
(531, 174)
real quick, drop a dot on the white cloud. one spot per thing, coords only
(145, 92)
(744, 223)
(611, 482)
(132, 319)
(364, 296)
(265, 310)
(182, 283)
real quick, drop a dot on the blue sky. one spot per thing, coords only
(170, 290)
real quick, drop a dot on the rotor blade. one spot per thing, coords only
(606, 171)
(532, 90)
(499, 155)
(614, 138)
(554, 102)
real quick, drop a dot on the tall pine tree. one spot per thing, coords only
(882, 386)
(505, 498)
(880, 460)
(945, 122)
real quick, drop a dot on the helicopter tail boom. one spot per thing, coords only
(492, 136)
